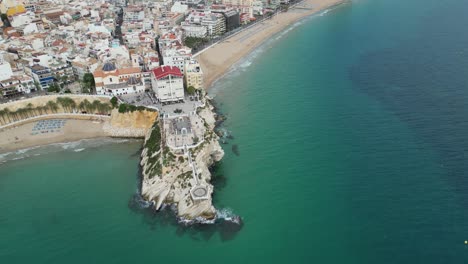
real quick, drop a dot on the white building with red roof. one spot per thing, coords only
(167, 83)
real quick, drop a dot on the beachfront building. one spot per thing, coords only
(244, 7)
(232, 18)
(193, 74)
(215, 23)
(112, 81)
(193, 30)
(167, 84)
(16, 85)
(41, 74)
(176, 56)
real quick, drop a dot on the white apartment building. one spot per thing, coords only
(133, 14)
(176, 56)
(215, 24)
(5, 70)
(197, 31)
(167, 84)
(16, 85)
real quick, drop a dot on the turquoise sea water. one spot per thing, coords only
(352, 132)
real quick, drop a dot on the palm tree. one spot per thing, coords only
(82, 106)
(62, 102)
(52, 106)
(87, 105)
(7, 113)
(97, 105)
(46, 109)
(30, 108)
(15, 115)
(2, 113)
(20, 112)
(39, 109)
(72, 104)
(37, 85)
(106, 108)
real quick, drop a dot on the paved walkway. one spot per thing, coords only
(199, 191)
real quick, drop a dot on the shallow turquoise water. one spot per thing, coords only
(351, 131)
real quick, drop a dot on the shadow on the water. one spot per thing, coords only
(218, 180)
(425, 87)
(137, 153)
(166, 217)
(235, 149)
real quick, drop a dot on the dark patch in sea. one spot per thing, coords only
(235, 149)
(424, 83)
(218, 180)
(137, 153)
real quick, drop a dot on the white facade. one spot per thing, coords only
(167, 87)
(176, 57)
(111, 81)
(196, 31)
(16, 85)
(5, 71)
(215, 24)
(178, 7)
(133, 14)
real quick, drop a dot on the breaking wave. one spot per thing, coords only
(225, 214)
(72, 147)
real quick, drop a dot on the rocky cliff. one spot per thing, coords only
(132, 124)
(169, 176)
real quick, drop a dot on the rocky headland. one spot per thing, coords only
(179, 176)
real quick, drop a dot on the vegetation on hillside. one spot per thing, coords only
(88, 84)
(193, 42)
(60, 105)
(153, 143)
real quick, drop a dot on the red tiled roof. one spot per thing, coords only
(163, 71)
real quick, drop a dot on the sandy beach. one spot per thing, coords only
(23, 136)
(218, 59)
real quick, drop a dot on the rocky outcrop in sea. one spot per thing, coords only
(179, 178)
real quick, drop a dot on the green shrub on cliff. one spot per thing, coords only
(115, 102)
(125, 108)
(153, 144)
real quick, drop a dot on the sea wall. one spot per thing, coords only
(169, 175)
